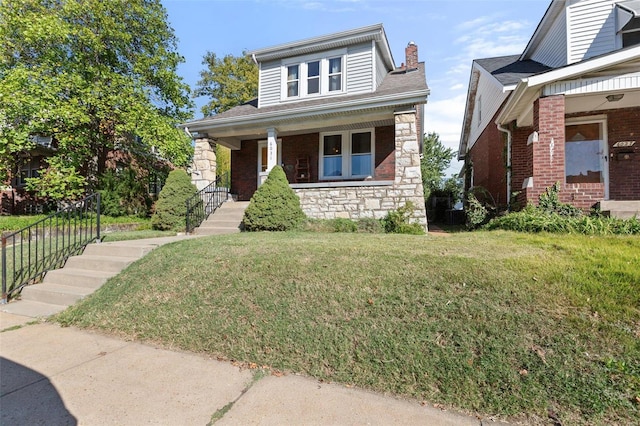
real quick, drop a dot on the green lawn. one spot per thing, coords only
(525, 327)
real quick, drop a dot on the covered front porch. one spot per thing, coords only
(350, 166)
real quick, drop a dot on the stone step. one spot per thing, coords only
(29, 308)
(54, 294)
(99, 263)
(78, 277)
(622, 214)
(217, 231)
(220, 223)
(616, 205)
(120, 250)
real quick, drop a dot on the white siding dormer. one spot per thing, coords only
(269, 84)
(591, 29)
(359, 68)
(552, 50)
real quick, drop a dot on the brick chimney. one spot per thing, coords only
(411, 53)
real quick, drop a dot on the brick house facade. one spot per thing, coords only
(341, 119)
(572, 120)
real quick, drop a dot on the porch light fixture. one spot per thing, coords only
(615, 98)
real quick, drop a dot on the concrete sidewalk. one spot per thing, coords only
(53, 375)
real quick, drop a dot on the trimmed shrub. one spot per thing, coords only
(397, 221)
(171, 208)
(274, 206)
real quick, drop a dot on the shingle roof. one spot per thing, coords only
(509, 70)
(395, 83)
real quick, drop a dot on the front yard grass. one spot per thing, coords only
(534, 328)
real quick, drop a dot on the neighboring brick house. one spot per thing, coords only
(343, 121)
(566, 110)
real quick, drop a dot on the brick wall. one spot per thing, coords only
(489, 163)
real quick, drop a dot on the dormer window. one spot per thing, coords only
(293, 80)
(631, 33)
(314, 76)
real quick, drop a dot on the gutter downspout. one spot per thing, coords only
(509, 137)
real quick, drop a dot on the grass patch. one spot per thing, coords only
(135, 235)
(497, 323)
(14, 223)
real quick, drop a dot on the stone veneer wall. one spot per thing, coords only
(362, 201)
(203, 167)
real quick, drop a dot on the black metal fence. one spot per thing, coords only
(29, 253)
(206, 201)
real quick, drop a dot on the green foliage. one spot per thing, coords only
(398, 221)
(365, 225)
(223, 160)
(534, 219)
(171, 207)
(95, 76)
(476, 213)
(124, 193)
(551, 215)
(228, 82)
(274, 206)
(435, 161)
(549, 202)
(58, 182)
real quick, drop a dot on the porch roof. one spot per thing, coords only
(400, 89)
(615, 72)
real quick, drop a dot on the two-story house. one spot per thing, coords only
(566, 110)
(343, 121)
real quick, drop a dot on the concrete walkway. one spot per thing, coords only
(66, 376)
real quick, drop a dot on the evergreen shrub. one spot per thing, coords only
(171, 210)
(274, 206)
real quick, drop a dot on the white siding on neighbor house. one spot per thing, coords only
(491, 97)
(594, 84)
(552, 50)
(359, 68)
(591, 29)
(269, 85)
(381, 69)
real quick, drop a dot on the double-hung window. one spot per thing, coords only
(346, 155)
(314, 76)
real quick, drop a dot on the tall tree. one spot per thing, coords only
(95, 75)
(228, 82)
(436, 158)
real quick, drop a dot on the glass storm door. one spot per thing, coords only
(586, 155)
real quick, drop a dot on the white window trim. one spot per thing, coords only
(346, 155)
(302, 61)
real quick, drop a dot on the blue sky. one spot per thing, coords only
(449, 35)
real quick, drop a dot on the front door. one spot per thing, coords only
(263, 160)
(587, 154)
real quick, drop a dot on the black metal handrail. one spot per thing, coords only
(206, 201)
(32, 251)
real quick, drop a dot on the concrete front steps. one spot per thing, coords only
(225, 220)
(621, 209)
(80, 276)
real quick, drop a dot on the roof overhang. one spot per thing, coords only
(328, 42)
(369, 111)
(625, 12)
(621, 65)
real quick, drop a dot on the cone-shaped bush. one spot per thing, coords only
(171, 210)
(274, 206)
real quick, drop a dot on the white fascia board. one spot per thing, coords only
(590, 65)
(288, 49)
(474, 79)
(415, 97)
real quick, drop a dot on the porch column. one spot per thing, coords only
(408, 175)
(547, 149)
(203, 167)
(272, 148)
